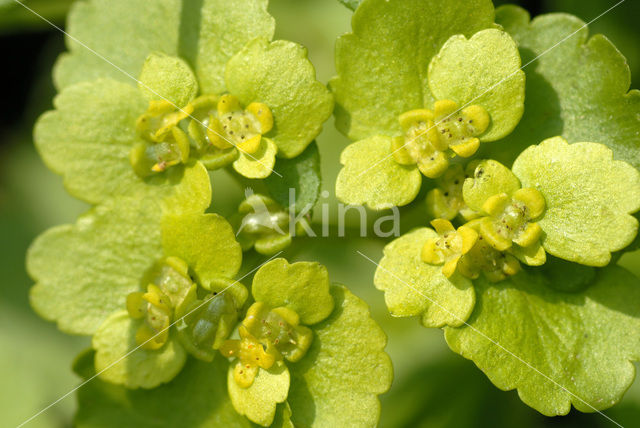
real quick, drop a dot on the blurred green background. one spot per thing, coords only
(433, 387)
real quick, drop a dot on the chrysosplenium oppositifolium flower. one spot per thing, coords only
(177, 339)
(526, 235)
(156, 290)
(419, 95)
(212, 90)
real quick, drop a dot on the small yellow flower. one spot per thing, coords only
(250, 354)
(511, 220)
(154, 307)
(165, 300)
(233, 126)
(449, 246)
(484, 258)
(432, 137)
(266, 336)
(446, 201)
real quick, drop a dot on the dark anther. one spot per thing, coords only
(446, 193)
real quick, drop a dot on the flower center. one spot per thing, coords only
(431, 137)
(510, 219)
(266, 336)
(164, 144)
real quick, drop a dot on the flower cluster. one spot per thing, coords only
(153, 278)
(499, 234)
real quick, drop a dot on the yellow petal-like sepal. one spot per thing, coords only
(496, 204)
(533, 200)
(415, 118)
(466, 149)
(493, 238)
(216, 135)
(434, 166)
(400, 153)
(136, 305)
(442, 226)
(182, 141)
(250, 145)
(444, 108)
(477, 117)
(431, 253)
(263, 114)
(228, 103)
(529, 236)
(469, 237)
(449, 267)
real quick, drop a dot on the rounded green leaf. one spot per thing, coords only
(589, 198)
(197, 397)
(83, 272)
(258, 402)
(382, 65)
(120, 360)
(344, 371)
(280, 75)
(591, 104)
(206, 242)
(415, 288)
(302, 287)
(88, 139)
(214, 30)
(371, 176)
(483, 70)
(169, 78)
(557, 349)
(259, 164)
(489, 178)
(122, 32)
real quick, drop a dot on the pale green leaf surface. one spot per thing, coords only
(196, 398)
(371, 176)
(169, 78)
(345, 369)
(302, 287)
(302, 174)
(88, 139)
(585, 342)
(83, 272)
(114, 342)
(589, 198)
(116, 34)
(382, 65)
(206, 242)
(280, 75)
(259, 164)
(489, 178)
(591, 104)
(414, 288)
(482, 70)
(224, 28)
(258, 402)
